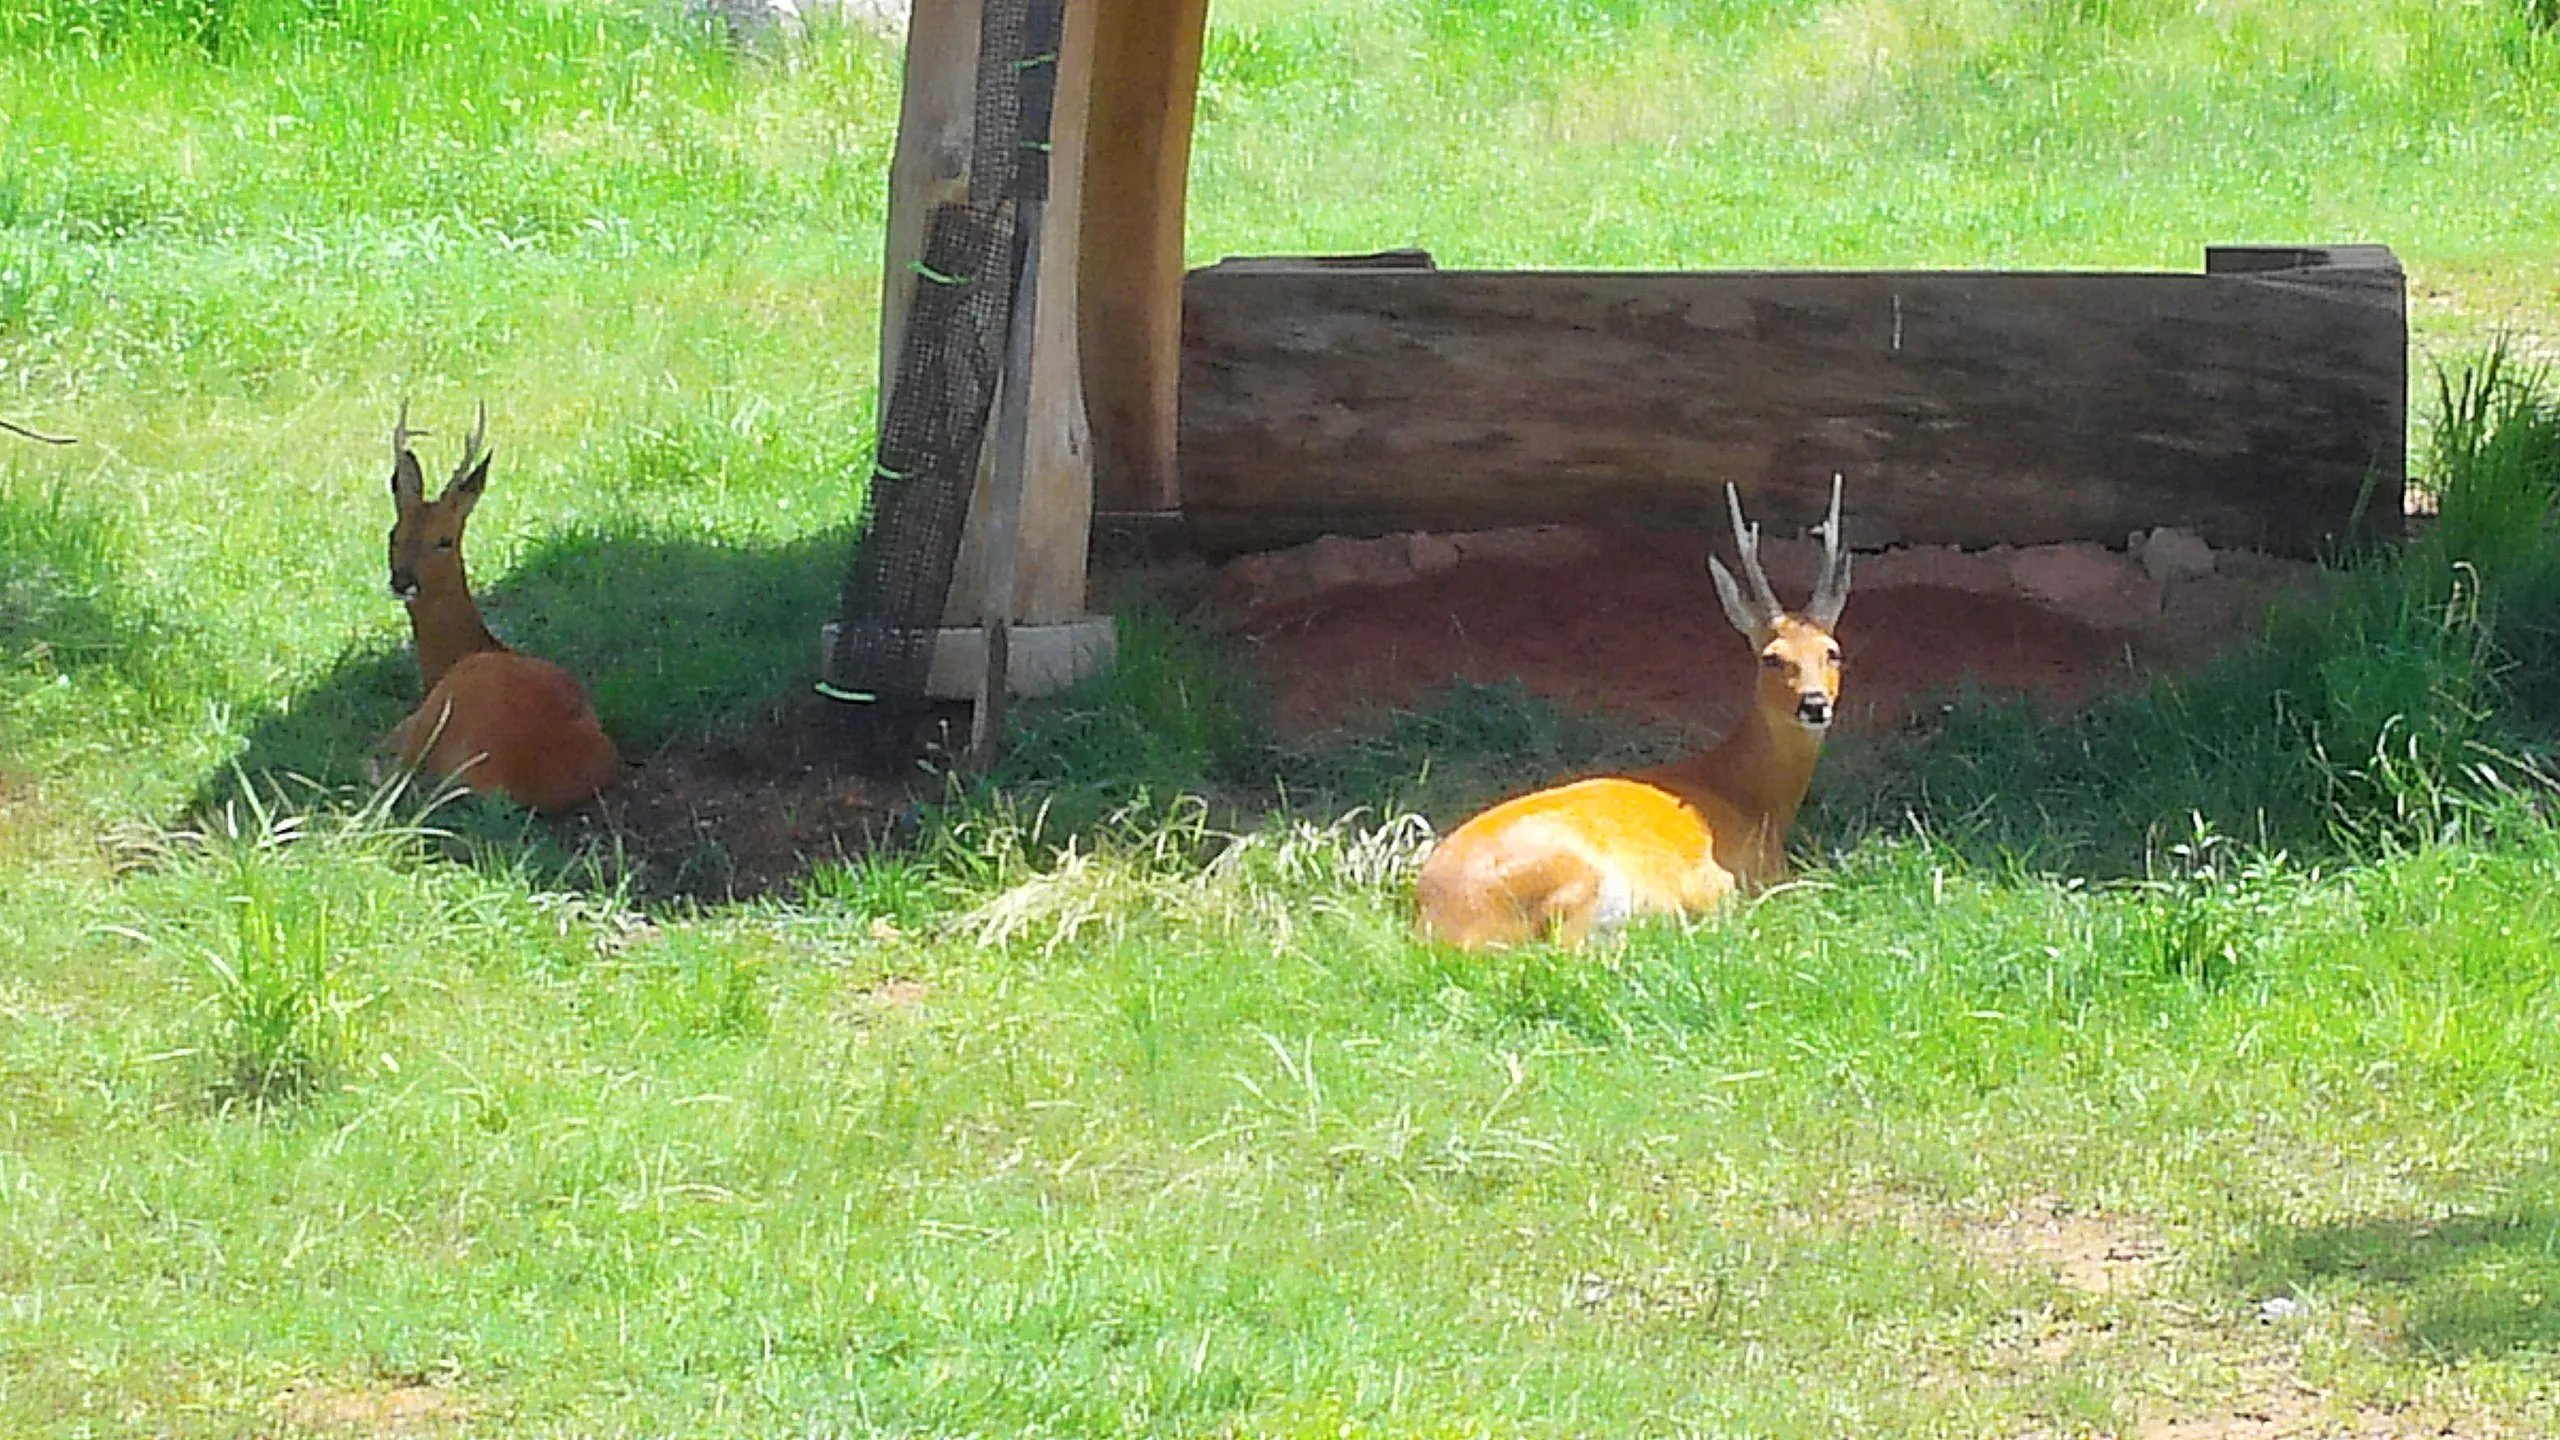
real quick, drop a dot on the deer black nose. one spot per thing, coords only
(404, 584)
(1814, 709)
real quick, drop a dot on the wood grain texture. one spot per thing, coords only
(1137, 169)
(1057, 498)
(930, 165)
(930, 162)
(2252, 403)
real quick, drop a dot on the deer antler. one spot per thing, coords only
(1763, 610)
(472, 447)
(401, 434)
(1831, 592)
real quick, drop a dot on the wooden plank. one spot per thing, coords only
(2252, 403)
(1137, 168)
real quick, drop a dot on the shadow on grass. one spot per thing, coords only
(671, 634)
(83, 653)
(65, 600)
(2462, 1288)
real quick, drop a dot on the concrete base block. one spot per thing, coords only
(1045, 659)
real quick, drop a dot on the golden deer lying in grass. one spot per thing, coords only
(499, 721)
(1587, 857)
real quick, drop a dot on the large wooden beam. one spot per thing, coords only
(2253, 403)
(930, 166)
(1137, 171)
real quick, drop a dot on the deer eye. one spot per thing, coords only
(1773, 662)
(445, 544)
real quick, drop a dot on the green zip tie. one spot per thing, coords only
(858, 697)
(936, 276)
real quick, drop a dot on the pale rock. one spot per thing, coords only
(1334, 561)
(759, 19)
(2089, 583)
(1429, 554)
(2170, 554)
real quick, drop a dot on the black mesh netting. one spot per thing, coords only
(949, 364)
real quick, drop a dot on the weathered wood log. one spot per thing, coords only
(2260, 404)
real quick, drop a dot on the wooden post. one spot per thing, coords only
(930, 166)
(936, 116)
(1137, 165)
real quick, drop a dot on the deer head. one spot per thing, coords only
(1799, 660)
(426, 538)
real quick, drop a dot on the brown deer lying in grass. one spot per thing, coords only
(499, 721)
(1588, 856)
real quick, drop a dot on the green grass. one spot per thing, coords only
(1119, 1100)
(2391, 710)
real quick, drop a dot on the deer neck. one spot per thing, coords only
(1762, 769)
(444, 621)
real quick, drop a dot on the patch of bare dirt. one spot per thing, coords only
(2093, 1253)
(1628, 622)
(747, 812)
(407, 1407)
(2255, 1367)
(1614, 621)
(2299, 1414)
(1652, 1297)
(2257, 1392)
(896, 995)
(17, 811)
(2226, 1379)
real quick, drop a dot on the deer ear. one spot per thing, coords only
(408, 483)
(1744, 619)
(465, 490)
